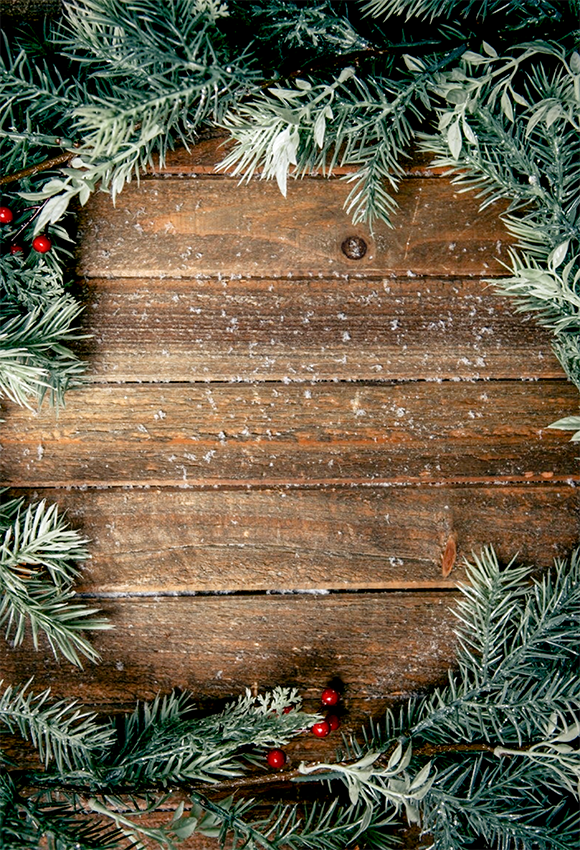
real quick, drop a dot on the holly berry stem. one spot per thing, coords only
(31, 218)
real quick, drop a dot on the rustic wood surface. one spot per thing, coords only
(282, 456)
(327, 433)
(218, 645)
(164, 540)
(316, 329)
(213, 226)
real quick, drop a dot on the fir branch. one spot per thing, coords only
(161, 741)
(36, 573)
(60, 731)
(41, 820)
(349, 122)
(33, 358)
(528, 11)
(329, 826)
(37, 537)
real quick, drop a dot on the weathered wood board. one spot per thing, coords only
(218, 645)
(312, 330)
(214, 226)
(326, 433)
(185, 541)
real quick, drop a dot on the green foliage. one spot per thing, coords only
(140, 77)
(163, 743)
(525, 12)
(37, 555)
(317, 29)
(37, 319)
(60, 732)
(316, 128)
(510, 128)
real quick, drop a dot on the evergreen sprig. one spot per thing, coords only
(60, 731)
(524, 12)
(142, 76)
(164, 742)
(315, 128)
(510, 129)
(38, 552)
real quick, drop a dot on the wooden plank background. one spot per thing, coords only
(276, 443)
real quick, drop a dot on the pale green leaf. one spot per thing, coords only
(489, 49)
(473, 58)
(319, 129)
(575, 62)
(456, 96)
(506, 106)
(53, 210)
(395, 757)
(413, 64)
(558, 255)
(421, 778)
(566, 424)
(454, 140)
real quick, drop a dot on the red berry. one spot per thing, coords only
(6, 215)
(16, 249)
(333, 721)
(42, 244)
(288, 709)
(329, 696)
(321, 729)
(276, 758)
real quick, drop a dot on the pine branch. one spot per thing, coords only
(527, 11)
(161, 741)
(60, 732)
(36, 573)
(32, 821)
(33, 358)
(313, 128)
(517, 685)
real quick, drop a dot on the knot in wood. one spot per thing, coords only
(354, 247)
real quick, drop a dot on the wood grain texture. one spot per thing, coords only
(199, 435)
(378, 645)
(213, 226)
(357, 329)
(185, 541)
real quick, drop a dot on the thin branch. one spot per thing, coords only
(45, 165)
(266, 779)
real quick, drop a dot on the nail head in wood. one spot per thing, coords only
(354, 247)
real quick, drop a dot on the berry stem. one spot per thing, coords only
(31, 218)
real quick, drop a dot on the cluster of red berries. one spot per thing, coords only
(329, 697)
(40, 243)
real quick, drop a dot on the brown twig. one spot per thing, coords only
(291, 775)
(53, 162)
(285, 776)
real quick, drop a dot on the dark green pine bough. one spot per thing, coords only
(492, 89)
